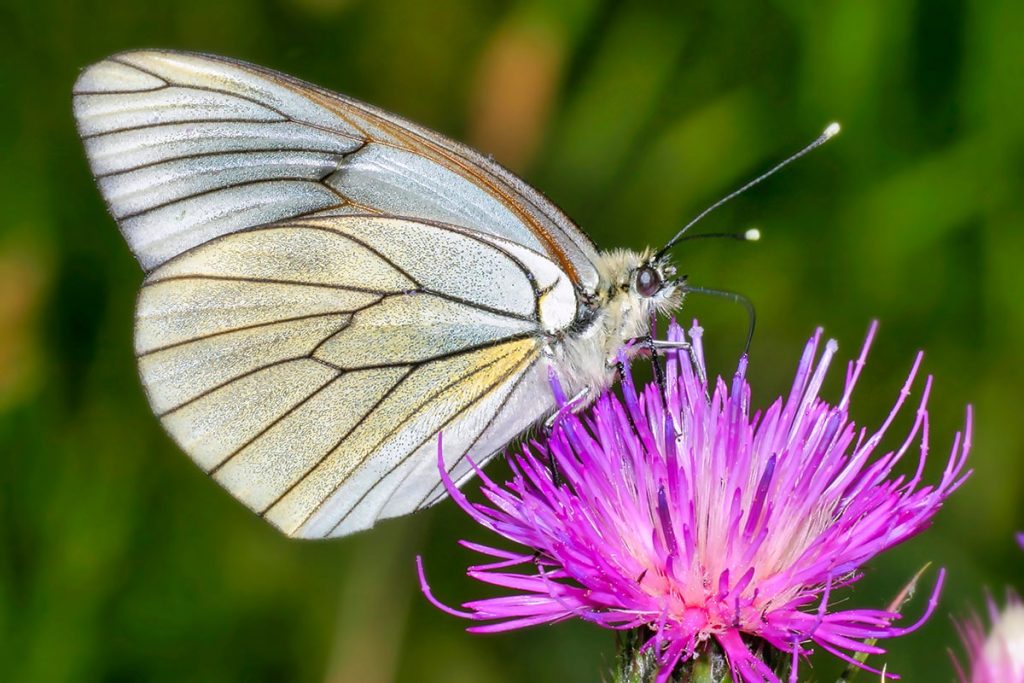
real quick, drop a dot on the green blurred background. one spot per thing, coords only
(121, 561)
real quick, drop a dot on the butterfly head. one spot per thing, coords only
(633, 287)
(639, 281)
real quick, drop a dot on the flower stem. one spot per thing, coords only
(637, 665)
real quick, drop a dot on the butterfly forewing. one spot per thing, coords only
(188, 147)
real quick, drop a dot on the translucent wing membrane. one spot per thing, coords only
(189, 147)
(309, 366)
(304, 344)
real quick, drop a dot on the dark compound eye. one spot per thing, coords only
(648, 281)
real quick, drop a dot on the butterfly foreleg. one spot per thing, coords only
(667, 344)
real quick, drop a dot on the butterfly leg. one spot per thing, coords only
(698, 366)
(620, 369)
(659, 371)
(571, 406)
(667, 344)
(651, 345)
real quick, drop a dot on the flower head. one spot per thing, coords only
(998, 655)
(693, 519)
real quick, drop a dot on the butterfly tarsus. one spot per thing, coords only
(659, 371)
(556, 475)
(570, 406)
(620, 368)
(667, 344)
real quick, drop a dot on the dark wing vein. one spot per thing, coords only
(490, 422)
(337, 443)
(225, 152)
(440, 356)
(125, 92)
(163, 124)
(415, 448)
(213, 470)
(312, 226)
(409, 416)
(226, 382)
(269, 281)
(232, 186)
(253, 326)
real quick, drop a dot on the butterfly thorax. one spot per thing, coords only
(619, 310)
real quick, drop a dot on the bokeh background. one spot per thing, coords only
(120, 561)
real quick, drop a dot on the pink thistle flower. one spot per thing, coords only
(691, 519)
(995, 656)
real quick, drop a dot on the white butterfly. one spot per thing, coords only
(329, 287)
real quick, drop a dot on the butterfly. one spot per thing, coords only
(329, 287)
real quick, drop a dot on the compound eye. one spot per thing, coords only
(648, 281)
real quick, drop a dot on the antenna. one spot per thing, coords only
(830, 132)
(749, 235)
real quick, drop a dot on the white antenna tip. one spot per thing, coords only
(831, 130)
(752, 235)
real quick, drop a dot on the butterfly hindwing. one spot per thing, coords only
(309, 366)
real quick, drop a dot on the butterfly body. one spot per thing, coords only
(329, 287)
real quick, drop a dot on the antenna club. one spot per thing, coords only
(830, 131)
(752, 235)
